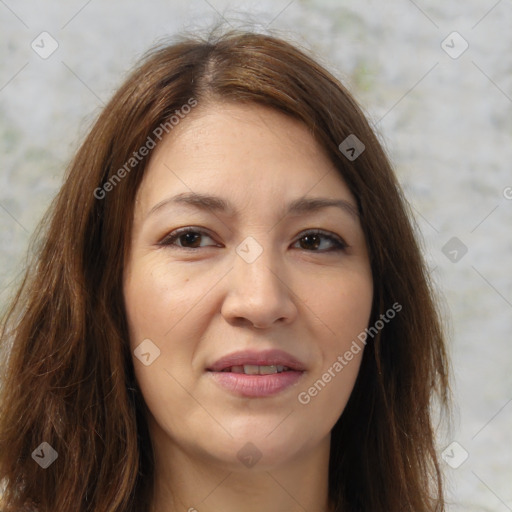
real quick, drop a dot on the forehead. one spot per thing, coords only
(253, 153)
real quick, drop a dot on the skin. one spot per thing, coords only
(199, 304)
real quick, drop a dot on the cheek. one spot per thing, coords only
(342, 305)
(344, 312)
(155, 300)
(156, 304)
(162, 305)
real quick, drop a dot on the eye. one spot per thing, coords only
(188, 238)
(313, 240)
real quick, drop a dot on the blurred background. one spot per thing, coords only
(435, 79)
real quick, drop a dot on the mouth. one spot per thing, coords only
(256, 374)
(253, 369)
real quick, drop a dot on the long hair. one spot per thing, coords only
(68, 376)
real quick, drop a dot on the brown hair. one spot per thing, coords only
(69, 377)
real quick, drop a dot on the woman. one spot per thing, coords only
(229, 309)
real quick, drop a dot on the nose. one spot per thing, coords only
(259, 293)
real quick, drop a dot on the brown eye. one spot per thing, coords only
(186, 238)
(312, 240)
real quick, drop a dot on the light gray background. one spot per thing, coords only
(446, 123)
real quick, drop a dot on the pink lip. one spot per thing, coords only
(256, 385)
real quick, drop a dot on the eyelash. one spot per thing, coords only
(170, 239)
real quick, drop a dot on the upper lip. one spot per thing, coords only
(259, 358)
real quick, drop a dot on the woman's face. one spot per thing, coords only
(225, 285)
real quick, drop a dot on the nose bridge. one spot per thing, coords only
(257, 291)
(257, 264)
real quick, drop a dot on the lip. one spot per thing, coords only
(260, 358)
(256, 386)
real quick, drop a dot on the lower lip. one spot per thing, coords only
(256, 385)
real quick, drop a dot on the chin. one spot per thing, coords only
(251, 450)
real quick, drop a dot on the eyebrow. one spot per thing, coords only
(300, 206)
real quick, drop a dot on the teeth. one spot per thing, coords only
(253, 369)
(267, 370)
